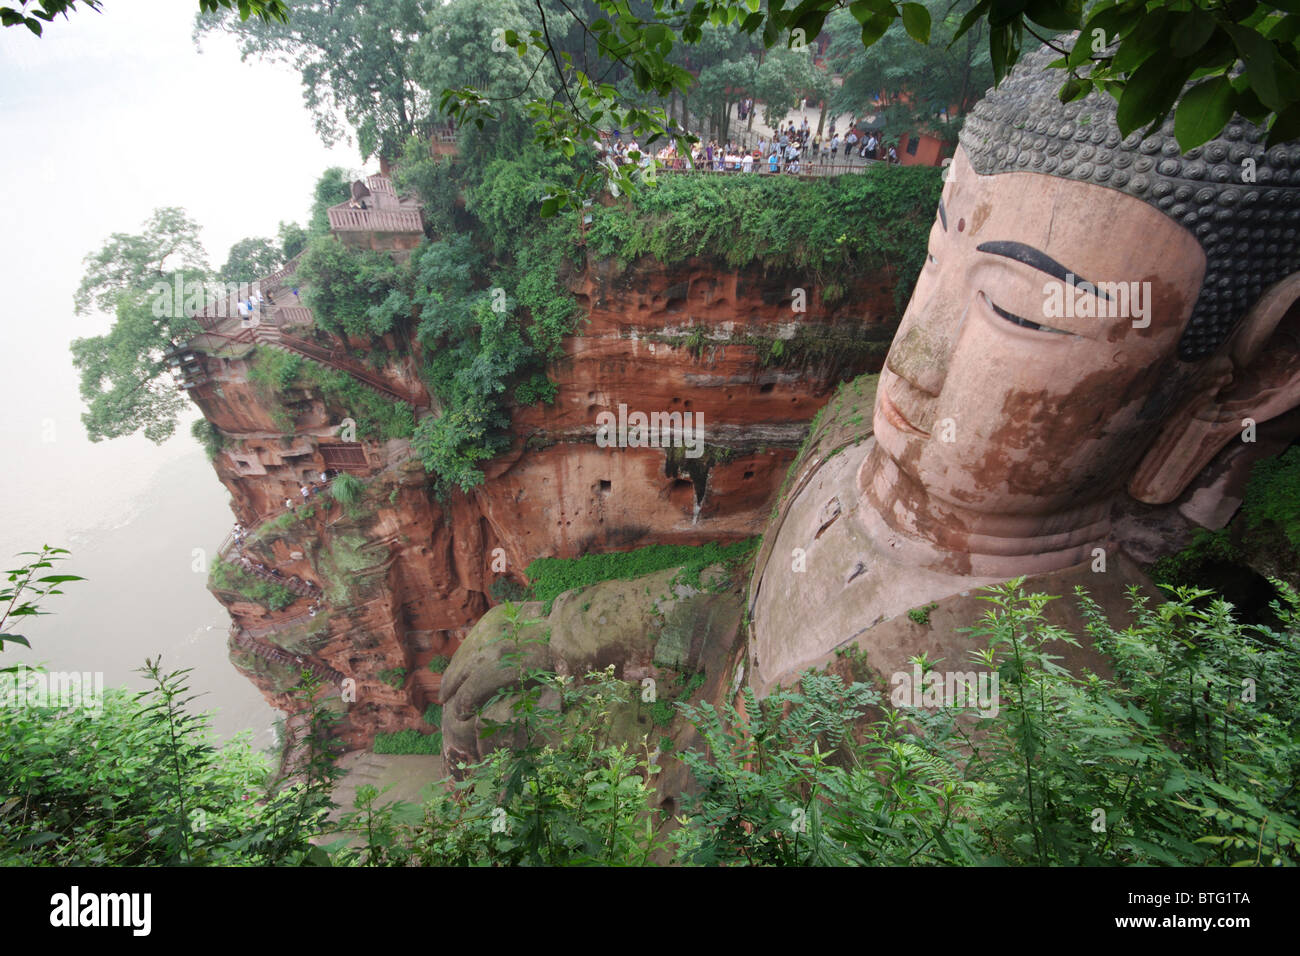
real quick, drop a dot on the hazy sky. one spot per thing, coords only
(101, 120)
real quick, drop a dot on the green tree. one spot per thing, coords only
(345, 287)
(720, 86)
(782, 78)
(332, 188)
(292, 239)
(914, 81)
(152, 283)
(32, 13)
(251, 259)
(133, 263)
(354, 60)
(1244, 56)
(461, 45)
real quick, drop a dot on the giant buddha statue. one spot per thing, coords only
(1099, 321)
(1098, 317)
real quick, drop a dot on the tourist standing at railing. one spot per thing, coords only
(835, 147)
(850, 141)
(747, 164)
(773, 161)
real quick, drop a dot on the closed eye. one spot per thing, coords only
(1025, 323)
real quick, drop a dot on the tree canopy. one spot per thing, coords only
(33, 14)
(354, 59)
(251, 259)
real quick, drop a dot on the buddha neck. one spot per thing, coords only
(915, 528)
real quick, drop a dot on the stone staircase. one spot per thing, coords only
(279, 655)
(332, 358)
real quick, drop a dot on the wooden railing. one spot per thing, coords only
(375, 220)
(333, 358)
(262, 334)
(277, 277)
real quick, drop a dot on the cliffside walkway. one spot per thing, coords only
(279, 655)
(293, 583)
(814, 170)
(281, 310)
(332, 358)
(262, 334)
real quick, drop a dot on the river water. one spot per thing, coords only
(105, 118)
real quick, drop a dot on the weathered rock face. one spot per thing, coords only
(402, 576)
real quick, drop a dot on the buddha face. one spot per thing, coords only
(1020, 382)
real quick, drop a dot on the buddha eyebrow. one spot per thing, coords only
(1040, 261)
(943, 216)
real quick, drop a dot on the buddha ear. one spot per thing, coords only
(1253, 378)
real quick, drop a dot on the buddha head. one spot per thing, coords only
(1097, 315)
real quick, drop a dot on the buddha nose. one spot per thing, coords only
(921, 353)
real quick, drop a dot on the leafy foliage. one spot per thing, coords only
(376, 416)
(125, 378)
(332, 188)
(33, 13)
(354, 60)
(22, 593)
(209, 436)
(137, 782)
(845, 224)
(915, 82)
(226, 576)
(1273, 496)
(347, 489)
(566, 794)
(551, 577)
(408, 742)
(1187, 755)
(1183, 758)
(345, 288)
(479, 345)
(251, 259)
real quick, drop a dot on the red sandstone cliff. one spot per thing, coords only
(402, 578)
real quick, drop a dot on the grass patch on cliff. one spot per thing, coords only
(277, 372)
(230, 577)
(843, 224)
(342, 564)
(551, 577)
(408, 742)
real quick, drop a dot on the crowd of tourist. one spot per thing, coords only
(791, 150)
